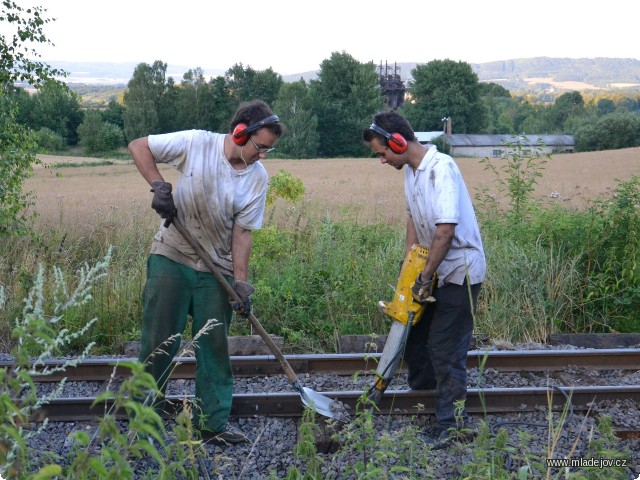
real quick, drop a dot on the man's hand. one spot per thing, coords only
(244, 291)
(423, 291)
(162, 201)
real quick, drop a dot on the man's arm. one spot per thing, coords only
(144, 160)
(240, 250)
(241, 242)
(412, 235)
(440, 246)
(162, 201)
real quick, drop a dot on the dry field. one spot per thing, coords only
(359, 189)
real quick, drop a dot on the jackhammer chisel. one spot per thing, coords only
(404, 312)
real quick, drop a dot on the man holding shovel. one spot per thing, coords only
(219, 198)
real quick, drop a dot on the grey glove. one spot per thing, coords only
(162, 201)
(244, 291)
(423, 291)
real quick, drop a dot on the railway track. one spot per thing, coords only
(401, 402)
(101, 369)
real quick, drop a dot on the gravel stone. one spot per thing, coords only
(271, 450)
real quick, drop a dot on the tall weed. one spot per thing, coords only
(612, 292)
(113, 450)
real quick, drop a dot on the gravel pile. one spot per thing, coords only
(401, 440)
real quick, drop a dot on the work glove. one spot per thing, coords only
(244, 291)
(162, 201)
(423, 291)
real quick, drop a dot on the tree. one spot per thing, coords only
(605, 106)
(222, 105)
(567, 105)
(88, 131)
(143, 98)
(49, 141)
(17, 51)
(17, 64)
(58, 109)
(344, 98)
(247, 84)
(613, 131)
(499, 107)
(444, 88)
(97, 136)
(114, 113)
(491, 89)
(294, 109)
(192, 101)
(169, 108)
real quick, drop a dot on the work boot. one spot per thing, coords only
(228, 436)
(444, 438)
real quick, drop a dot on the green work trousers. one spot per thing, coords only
(172, 293)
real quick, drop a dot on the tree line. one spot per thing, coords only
(324, 117)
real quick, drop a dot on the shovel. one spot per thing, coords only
(321, 404)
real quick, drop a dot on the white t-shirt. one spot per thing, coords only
(436, 193)
(210, 196)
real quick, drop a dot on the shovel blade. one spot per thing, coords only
(318, 402)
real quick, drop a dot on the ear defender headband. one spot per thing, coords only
(241, 132)
(396, 142)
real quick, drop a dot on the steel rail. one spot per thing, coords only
(394, 402)
(102, 369)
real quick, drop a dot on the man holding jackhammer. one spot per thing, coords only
(220, 198)
(440, 217)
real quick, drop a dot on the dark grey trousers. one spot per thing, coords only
(436, 351)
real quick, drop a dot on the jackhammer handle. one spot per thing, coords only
(206, 259)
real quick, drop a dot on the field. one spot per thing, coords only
(358, 189)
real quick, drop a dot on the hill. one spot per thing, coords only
(570, 73)
(540, 73)
(532, 75)
(96, 73)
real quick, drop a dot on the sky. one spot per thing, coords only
(296, 36)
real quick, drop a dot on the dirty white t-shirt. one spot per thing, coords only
(436, 193)
(210, 196)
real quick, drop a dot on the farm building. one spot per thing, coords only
(494, 146)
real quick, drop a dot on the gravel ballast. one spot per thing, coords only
(402, 440)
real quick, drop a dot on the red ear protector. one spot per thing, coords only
(395, 141)
(241, 132)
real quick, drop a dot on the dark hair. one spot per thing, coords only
(252, 112)
(392, 122)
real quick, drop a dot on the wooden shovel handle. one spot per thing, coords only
(291, 375)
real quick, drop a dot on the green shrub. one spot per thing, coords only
(49, 141)
(97, 136)
(612, 292)
(324, 280)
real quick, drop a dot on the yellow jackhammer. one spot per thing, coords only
(404, 312)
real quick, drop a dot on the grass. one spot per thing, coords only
(83, 164)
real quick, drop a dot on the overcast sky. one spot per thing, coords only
(296, 36)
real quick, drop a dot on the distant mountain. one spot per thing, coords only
(516, 75)
(116, 73)
(585, 73)
(539, 73)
